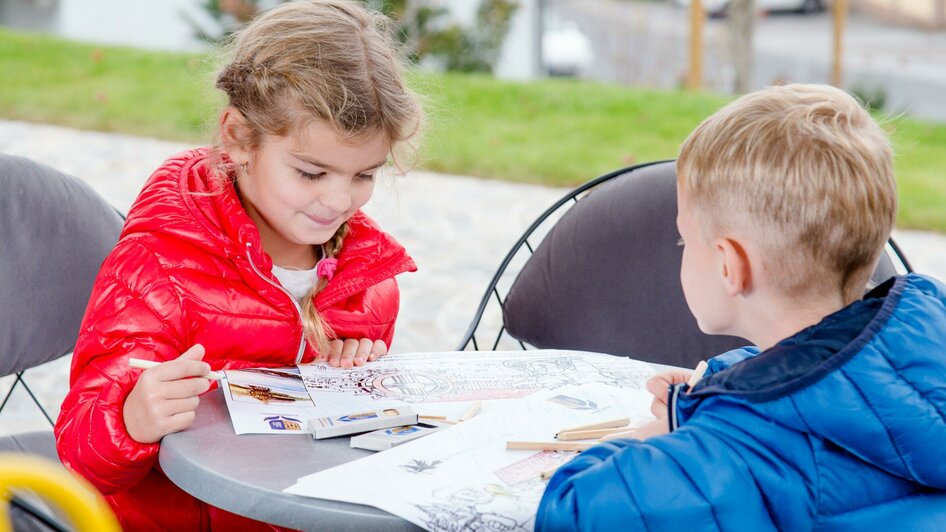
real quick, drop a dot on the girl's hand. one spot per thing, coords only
(165, 397)
(351, 352)
(658, 385)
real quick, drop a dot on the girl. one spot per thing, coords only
(251, 253)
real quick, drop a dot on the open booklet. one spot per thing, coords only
(445, 384)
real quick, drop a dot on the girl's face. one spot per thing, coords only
(299, 189)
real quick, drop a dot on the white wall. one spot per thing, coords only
(517, 59)
(161, 25)
(152, 24)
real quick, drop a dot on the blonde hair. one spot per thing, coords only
(330, 61)
(804, 170)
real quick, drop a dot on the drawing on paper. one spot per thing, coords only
(432, 378)
(283, 423)
(574, 403)
(264, 386)
(421, 466)
(532, 467)
(462, 508)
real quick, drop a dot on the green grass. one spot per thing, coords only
(554, 132)
(105, 88)
(557, 132)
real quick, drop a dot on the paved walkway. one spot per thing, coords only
(457, 228)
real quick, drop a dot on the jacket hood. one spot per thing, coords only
(186, 201)
(881, 365)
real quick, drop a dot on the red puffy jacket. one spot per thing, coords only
(189, 269)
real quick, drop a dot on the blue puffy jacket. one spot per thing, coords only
(842, 426)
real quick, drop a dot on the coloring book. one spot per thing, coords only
(443, 384)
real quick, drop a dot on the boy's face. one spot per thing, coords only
(701, 273)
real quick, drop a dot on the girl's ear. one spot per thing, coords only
(736, 268)
(234, 134)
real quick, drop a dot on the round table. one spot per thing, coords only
(246, 474)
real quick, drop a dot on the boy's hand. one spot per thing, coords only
(654, 428)
(658, 384)
(164, 399)
(351, 352)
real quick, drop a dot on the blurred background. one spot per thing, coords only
(525, 98)
(615, 81)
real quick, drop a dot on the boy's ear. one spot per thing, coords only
(736, 269)
(234, 134)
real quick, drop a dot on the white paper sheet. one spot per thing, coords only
(463, 478)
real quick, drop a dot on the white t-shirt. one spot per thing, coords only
(298, 282)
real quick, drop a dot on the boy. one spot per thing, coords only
(837, 417)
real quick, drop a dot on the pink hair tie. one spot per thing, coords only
(326, 268)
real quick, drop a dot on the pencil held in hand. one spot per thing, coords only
(697, 374)
(145, 364)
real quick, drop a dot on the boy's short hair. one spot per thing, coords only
(807, 174)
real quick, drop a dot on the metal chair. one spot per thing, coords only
(599, 271)
(55, 231)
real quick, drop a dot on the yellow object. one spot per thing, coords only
(695, 72)
(840, 17)
(78, 500)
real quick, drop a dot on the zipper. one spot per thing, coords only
(673, 393)
(295, 303)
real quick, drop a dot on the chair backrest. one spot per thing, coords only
(55, 231)
(606, 277)
(75, 497)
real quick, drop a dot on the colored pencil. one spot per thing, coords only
(547, 446)
(474, 408)
(145, 364)
(622, 422)
(570, 435)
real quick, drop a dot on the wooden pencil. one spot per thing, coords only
(145, 364)
(547, 446)
(617, 435)
(588, 434)
(697, 374)
(547, 474)
(474, 408)
(622, 422)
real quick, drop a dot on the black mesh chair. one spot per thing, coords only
(605, 277)
(55, 231)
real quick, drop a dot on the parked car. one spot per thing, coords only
(566, 50)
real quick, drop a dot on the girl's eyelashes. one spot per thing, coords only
(310, 176)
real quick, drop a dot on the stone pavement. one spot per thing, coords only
(458, 229)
